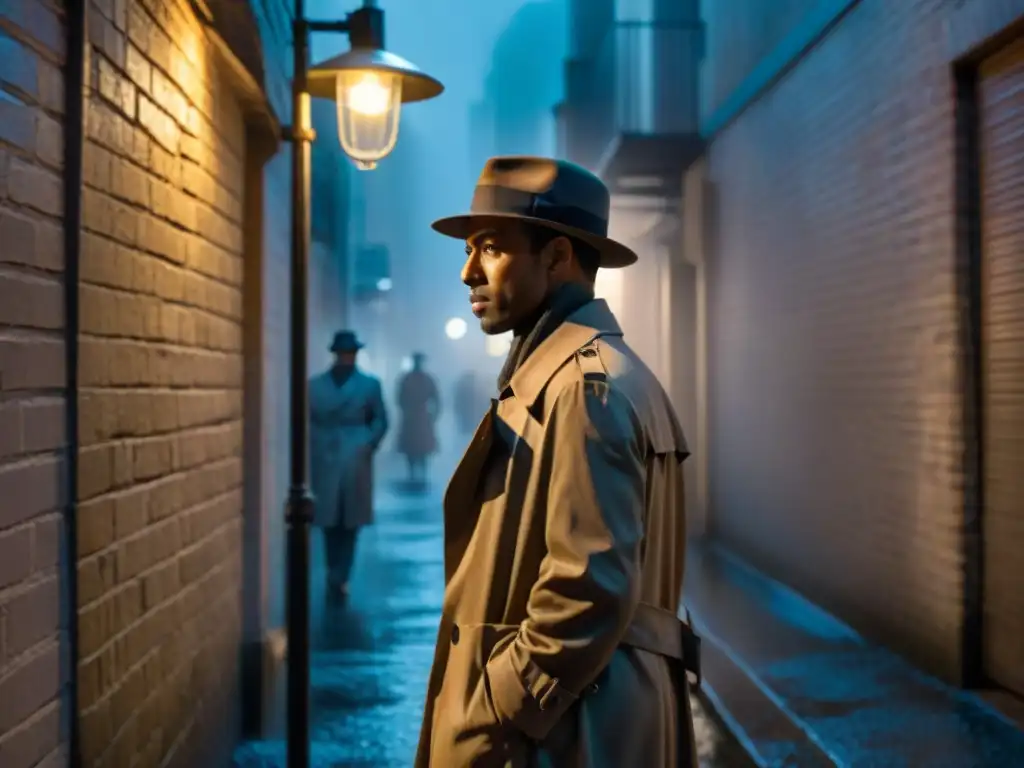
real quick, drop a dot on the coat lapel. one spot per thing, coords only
(461, 505)
(580, 328)
(460, 509)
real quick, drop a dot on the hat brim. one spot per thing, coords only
(345, 348)
(613, 254)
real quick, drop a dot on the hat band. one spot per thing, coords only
(501, 200)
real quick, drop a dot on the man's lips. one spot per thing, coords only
(478, 304)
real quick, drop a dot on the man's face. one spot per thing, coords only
(507, 281)
(345, 359)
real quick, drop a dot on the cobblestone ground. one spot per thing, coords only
(371, 657)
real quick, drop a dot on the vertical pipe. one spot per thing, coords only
(74, 144)
(299, 507)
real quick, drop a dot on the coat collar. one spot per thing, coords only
(587, 323)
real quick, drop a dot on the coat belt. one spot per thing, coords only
(662, 632)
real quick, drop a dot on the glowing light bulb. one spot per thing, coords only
(369, 95)
(369, 106)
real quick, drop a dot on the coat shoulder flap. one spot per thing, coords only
(610, 362)
(592, 367)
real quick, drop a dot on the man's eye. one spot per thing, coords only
(489, 249)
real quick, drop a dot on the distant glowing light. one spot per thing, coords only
(407, 364)
(498, 346)
(455, 328)
(384, 284)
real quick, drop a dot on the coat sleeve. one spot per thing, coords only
(588, 586)
(378, 416)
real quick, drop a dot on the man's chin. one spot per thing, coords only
(494, 327)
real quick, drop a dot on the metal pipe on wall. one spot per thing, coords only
(299, 512)
(75, 95)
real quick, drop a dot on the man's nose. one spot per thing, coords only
(471, 273)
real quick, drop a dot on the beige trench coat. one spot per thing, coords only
(563, 522)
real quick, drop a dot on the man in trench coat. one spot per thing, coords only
(559, 644)
(420, 404)
(347, 423)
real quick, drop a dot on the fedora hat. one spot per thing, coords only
(554, 194)
(346, 341)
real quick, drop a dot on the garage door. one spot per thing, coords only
(1001, 96)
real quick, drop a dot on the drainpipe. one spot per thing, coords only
(74, 144)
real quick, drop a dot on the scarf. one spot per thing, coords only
(562, 302)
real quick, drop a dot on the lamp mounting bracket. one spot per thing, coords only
(292, 134)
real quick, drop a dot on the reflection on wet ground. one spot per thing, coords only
(371, 656)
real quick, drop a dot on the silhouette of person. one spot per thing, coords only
(420, 405)
(347, 423)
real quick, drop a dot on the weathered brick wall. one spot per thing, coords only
(835, 441)
(161, 393)
(32, 386)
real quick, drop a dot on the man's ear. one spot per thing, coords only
(559, 255)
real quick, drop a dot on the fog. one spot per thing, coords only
(501, 64)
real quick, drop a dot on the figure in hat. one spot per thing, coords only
(565, 532)
(420, 404)
(347, 423)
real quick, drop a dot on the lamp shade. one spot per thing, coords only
(416, 85)
(369, 86)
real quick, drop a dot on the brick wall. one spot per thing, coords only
(32, 387)
(835, 441)
(160, 393)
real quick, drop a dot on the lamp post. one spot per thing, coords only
(370, 86)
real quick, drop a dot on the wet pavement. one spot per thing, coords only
(371, 657)
(829, 697)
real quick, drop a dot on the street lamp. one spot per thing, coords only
(370, 86)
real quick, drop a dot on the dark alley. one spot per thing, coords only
(704, 319)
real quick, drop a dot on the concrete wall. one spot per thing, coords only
(32, 388)
(740, 34)
(655, 302)
(274, 346)
(328, 284)
(835, 407)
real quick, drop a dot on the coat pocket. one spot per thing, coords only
(467, 730)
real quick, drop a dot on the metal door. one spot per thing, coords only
(1001, 133)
